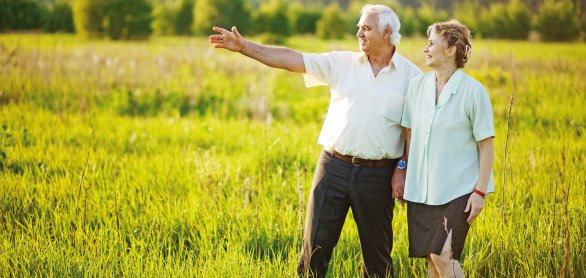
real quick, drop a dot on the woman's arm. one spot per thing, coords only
(486, 157)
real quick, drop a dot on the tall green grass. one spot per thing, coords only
(170, 158)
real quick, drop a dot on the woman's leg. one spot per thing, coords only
(431, 270)
(444, 264)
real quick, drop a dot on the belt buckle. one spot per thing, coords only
(354, 161)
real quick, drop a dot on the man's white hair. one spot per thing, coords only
(386, 18)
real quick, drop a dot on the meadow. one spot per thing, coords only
(168, 158)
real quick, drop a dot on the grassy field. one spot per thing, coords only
(170, 158)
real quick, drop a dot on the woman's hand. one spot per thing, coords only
(474, 206)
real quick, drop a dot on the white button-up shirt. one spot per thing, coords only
(443, 154)
(364, 115)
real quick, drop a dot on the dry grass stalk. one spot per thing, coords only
(300, 200)
(86, 188)
(506, 156)
(117, 216)
(83, 174)
(553, 229)
(565, 196)
(169, 173)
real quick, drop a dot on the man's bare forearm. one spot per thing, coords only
(275, 56)
(407, 135)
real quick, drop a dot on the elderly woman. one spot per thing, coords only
(449, 126)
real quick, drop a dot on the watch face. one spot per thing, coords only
(402, 164)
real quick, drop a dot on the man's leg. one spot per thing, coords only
(326, 211)
(372, 207)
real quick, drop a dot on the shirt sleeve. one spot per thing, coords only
(318, 69)
(481, 116)
(406, 118)
(415, 72)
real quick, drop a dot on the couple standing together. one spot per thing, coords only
(392, 132)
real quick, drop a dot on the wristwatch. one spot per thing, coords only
(402, 164)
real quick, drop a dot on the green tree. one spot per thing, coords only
(468, 13)
(61, 18)
(408, 21)
(184, 19)
(353, 16)
(221, 13)
(304, 19)
(331, 25)
(558, 21)
(5, 14)
(89, 17)
(163, 23)
(273, 18)
(129, 19)
(493, 20)
(22, 15)
(519, 20)
(428, 15)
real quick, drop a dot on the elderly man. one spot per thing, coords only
(361, 137)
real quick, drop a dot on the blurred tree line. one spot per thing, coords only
(553, 20)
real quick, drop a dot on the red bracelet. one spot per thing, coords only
(482, 194)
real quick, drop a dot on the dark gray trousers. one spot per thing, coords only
(338, 186)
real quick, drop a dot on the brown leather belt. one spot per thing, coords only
(363, 162)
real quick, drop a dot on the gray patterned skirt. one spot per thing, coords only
(429, 226)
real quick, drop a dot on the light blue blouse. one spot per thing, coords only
(444, 156)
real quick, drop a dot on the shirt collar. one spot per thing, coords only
(451, 88)
(394, 60)
(454, 82)
(452, 85)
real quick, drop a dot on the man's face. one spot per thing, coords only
(370, 39)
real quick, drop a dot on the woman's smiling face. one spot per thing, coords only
(435, 51)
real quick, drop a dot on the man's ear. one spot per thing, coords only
(388, 32)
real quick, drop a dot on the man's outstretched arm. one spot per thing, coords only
(272, 56)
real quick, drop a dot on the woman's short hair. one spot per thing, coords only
(455, 34)
(386, 18)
